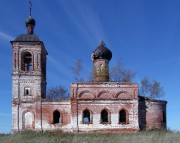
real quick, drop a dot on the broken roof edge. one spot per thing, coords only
(143, 98)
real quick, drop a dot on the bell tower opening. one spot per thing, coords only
(27, 62)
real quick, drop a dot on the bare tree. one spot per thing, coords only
(77, 69)
(127, 75)
(91, 76)
(156, 90)
(116, 72)
(57, 92)
(119, 74)
(151, 89)
(145, 86)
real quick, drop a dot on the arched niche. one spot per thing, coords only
(123, 95)
(86, 95)
(105, 95)
(28, 120)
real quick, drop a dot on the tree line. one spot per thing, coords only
(118, 73)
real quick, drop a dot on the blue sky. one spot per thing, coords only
(144, 34)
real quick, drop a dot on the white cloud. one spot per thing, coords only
(5, 36)
(85, 19)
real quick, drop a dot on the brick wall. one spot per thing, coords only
(110, 96)
(152, 114)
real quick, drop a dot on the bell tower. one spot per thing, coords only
(29, 65)
(28, 76)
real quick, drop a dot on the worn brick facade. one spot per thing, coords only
(152, 113)
(98, 106)
(111, 96)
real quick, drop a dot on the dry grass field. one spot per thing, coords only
(155, 136)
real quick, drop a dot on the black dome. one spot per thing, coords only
(30, 21)
(102, 52)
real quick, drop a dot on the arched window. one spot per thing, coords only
(122, 117)
(56, 117)
(104, 116)
(27, 61)
(86, 116)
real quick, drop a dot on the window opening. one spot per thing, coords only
(104, 116)
(86, 116)
(27, 91)
(122, 116)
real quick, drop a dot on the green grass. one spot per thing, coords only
(155, 136)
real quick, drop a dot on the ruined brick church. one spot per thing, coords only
(98, 106)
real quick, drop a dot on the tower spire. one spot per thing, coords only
(30, 22)
(30, 5)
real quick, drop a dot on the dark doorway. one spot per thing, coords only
(56, 117)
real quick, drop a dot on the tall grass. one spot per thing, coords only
(155, 136)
